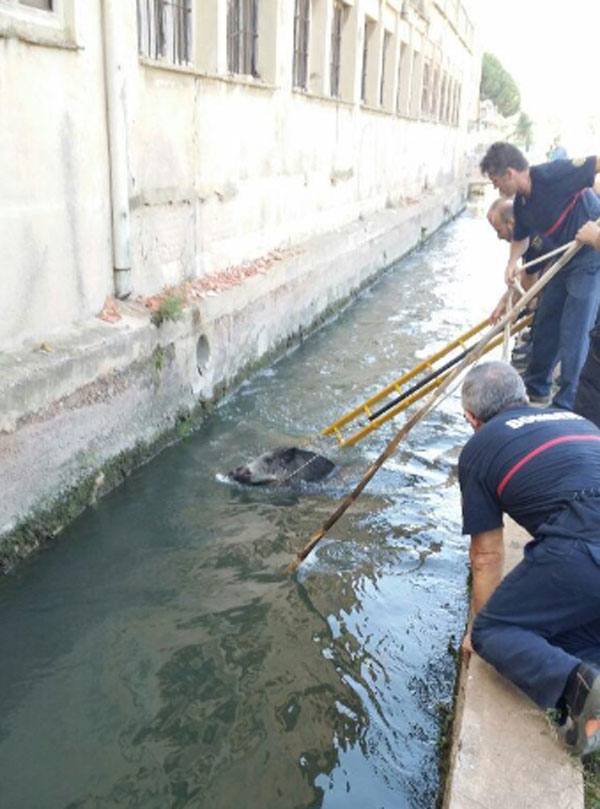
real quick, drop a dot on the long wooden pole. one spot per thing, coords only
(495, 329)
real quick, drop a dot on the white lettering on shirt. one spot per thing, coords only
(522, 421)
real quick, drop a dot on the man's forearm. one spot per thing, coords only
(517, 249)
(487, 561)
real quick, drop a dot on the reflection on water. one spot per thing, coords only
(158, 657)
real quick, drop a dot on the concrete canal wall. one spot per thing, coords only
(81, 409)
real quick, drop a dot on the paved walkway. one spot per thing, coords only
(505, 754)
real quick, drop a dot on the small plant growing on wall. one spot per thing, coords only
(170, 308)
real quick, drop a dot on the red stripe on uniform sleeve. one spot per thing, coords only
(520, 464)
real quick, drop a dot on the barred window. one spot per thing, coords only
(449, 100)
(401, 71)
(387, 38)
(369, 28)
(301, 42)
(242, 37)
(443, 94)
(337, 24)
(45, 5)
(435, 95)
(165, 30)
(425, 91)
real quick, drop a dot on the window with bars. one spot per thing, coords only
(425, 90)
(443, 95)
(401, 71)
(449, 100)
(457, 104)
(387, 38)
(242, 37)
(301, 43)
(435, 94)
(337, 24)
(165, 30)
(415, 85)
(369, 28)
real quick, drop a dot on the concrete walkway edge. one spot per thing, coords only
(505, 754)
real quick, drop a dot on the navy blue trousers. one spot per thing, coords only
(544, 618)
(566, 313)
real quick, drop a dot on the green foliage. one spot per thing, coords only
(498, 85)
(591, 774)
(524, 131)
(170, 308)
(158, 357)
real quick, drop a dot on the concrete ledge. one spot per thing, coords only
(70, 407)
(504, 751)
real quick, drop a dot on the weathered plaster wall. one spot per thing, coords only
(221, 168)
(54, 195)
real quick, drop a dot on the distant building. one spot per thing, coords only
(170, 139)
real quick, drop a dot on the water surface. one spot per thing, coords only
(155, 656)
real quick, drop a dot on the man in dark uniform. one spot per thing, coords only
(540, 626)
(550, 200)
(587, 401)
(501, 217)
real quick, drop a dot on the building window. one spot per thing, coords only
(387, 38)
(368, 33)
(457, 105)
(337, 24)
(425, 90)
(45, 5)
(415, 85)
(401, 77)
(301, 42)
(242, 37)
(165, 30)
(435, 95)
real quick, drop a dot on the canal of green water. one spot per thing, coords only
(155, 656)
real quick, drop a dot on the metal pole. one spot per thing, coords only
(114, 66)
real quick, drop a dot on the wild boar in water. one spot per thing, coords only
(283, 466)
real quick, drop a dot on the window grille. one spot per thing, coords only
(435, 95)
(458, 104)
(449, 100)
(301, 42)
(387, 37)
(242, 37)
(425, 90)
(415, 85)
(401, 68)
(337, 24)
(45, 5)
(165, 30)
(443, 94)
(365, 61)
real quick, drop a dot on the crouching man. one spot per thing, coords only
(540, 625)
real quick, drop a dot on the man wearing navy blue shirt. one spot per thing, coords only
(540, 625)
(553, 201)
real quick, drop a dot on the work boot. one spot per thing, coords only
(582, 702)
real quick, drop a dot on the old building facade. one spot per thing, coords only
(170, 139)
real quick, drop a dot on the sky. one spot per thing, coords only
(552, 50)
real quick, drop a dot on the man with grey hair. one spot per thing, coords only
(540, 626)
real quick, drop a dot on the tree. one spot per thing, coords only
(524, 131)
(499, 86)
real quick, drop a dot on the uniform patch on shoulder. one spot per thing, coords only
(578, 162)
(537, 242)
